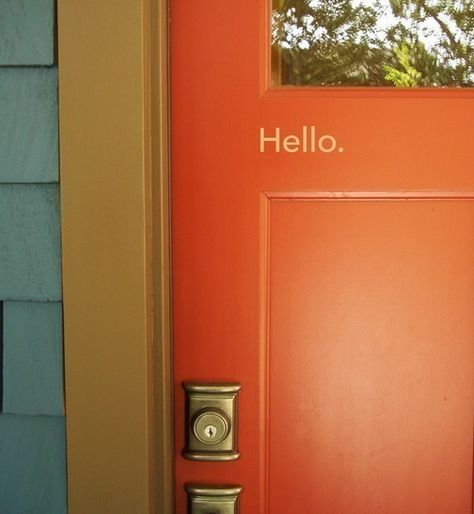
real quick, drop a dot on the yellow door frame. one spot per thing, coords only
(113, 94)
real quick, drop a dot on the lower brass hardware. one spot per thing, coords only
(213, 499)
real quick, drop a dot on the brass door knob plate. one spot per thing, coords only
(213, 499)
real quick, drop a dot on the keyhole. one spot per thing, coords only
(210, 431)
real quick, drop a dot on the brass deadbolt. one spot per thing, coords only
(211, 421)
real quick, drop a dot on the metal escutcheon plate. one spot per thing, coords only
(211, 421)
(213, 499)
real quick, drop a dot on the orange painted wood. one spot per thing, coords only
(370, 356)
(338, 288)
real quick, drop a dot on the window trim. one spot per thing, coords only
(268, 89)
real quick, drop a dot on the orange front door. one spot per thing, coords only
(323, 257)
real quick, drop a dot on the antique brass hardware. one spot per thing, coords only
(213, 499)
(211, 421)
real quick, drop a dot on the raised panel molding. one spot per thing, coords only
(320, 277)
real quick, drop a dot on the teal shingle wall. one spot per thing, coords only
(30, 263)
(32, 469)
(26, 32)
(32, 424)
(28, 125)
(33, 358)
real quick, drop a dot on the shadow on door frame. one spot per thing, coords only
(113, 94)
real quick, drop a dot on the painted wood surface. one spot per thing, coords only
(33, 359)
(33, 464)
(26, 32)
(30, 262)
(1, 356)
(349, 325)
(28, 124)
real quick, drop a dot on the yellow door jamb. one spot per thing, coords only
(114, 205)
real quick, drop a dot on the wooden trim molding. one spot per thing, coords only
(114, 204)
(158, 225)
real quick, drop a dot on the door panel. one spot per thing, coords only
(366, 251)
(369, 403)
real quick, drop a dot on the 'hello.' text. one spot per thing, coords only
(309, 141)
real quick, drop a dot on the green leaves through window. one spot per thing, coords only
(391, 43)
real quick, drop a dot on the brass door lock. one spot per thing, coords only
(211, 421)
(213, 499)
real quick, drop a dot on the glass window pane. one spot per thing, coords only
(387, 43)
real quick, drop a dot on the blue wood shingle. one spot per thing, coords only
(33, 465)
(30, 261)
(28, 125)
(33, 358)
(26, 32)
(1, 357)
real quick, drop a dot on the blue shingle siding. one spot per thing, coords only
(28, 125)
(33, 359)
(32, 422)
(1, 357)
(32, 456)
(26, 32)
(30, 262)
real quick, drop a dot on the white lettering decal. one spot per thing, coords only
(324, 147)
(268, 139)
(308, 141)
(291, 144)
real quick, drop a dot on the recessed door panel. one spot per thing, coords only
(370, 376)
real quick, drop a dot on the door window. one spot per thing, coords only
(373, 43)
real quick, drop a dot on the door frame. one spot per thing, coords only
(114, 140)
